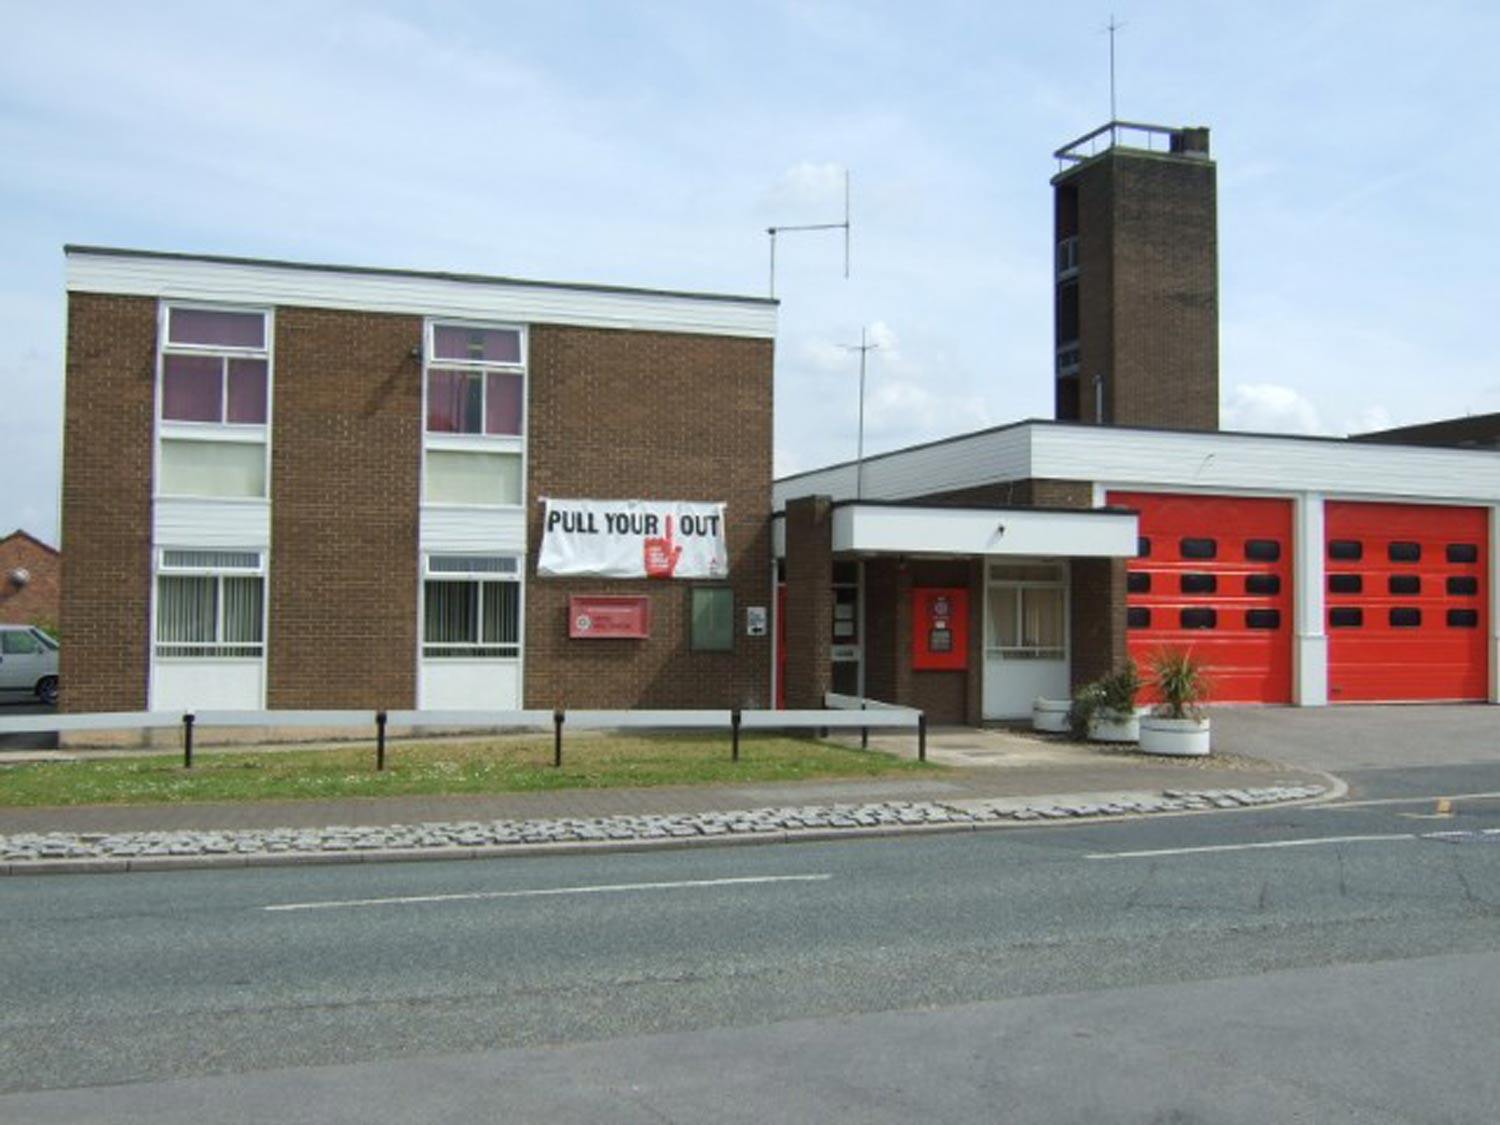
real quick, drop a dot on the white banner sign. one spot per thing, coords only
(633, 539)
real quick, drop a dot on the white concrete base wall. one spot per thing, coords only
(1310, 671)
(466, 685)
(208, 685)
(1011, 686)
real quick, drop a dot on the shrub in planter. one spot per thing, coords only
(1116, 718)
(1086, 702)
(1104, 710)
(1177, 726)
(1181, 681)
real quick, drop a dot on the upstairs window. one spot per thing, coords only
(475, 407)
(215, 367)
(475, 381)
(214, 402)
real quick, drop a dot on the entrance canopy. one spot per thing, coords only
(874, 528)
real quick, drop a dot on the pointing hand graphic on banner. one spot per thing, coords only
(662, 555)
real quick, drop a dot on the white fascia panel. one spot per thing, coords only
(457, 529)
(416, 295)
(978, 459)
(1229, 463)
(188, 523)
(958, 531)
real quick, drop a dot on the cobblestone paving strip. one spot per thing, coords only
(344, 843)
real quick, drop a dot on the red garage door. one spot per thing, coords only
(1407, 602)
(1214, 574)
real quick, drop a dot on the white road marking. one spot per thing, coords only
(542, 892)
(1377, 802)
(1305, 842)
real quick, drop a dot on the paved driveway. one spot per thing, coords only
(1386, 736)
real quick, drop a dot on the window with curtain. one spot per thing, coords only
(215, 402)
(207, 615)
(475, 394)
(476, 383)
(1027, 617)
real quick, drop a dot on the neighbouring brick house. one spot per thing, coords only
(30, 581)
(304, 486)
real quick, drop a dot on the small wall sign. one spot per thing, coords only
(609, 616)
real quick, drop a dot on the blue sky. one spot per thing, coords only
(652, 143)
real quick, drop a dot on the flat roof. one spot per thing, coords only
(71, 249)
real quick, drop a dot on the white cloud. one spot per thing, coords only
(811, 186)
(1271, 408)
(1370, 418)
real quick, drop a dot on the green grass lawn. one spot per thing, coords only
(505, 765)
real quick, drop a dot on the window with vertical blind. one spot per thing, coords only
(471, 607)
(210, 604)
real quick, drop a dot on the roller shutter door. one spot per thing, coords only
(1407, 602)
(1214, 574)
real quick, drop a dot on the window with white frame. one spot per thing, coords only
(1027, 611)
(474, 392)
(210, 604)
(471, 607)
(214, 401)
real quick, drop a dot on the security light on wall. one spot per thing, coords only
(20, 576)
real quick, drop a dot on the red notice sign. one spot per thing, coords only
(605, 616)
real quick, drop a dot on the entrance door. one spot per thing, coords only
(1026, 636)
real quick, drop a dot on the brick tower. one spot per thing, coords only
(1137, 301)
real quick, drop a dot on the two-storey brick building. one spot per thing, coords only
(291, 485)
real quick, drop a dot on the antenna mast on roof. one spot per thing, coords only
(1112, 27)
(844, 226)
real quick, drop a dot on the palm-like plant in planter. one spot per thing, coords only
(1177, 726)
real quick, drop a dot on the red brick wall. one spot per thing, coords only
(346, 449)
(1148, 289)
(1098, 618)
(809, 601)
(1029, 493)
(653, 416)
(106, 519)
(39, 600)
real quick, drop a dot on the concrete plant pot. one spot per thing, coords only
(1050, 716)
(1116, 726)
(1176, 738)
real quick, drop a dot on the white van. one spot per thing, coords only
(28, 662)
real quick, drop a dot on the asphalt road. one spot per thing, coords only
(1322, 963)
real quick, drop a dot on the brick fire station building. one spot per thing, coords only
(971, 575)
(305, 486)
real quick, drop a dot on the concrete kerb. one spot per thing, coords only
(964, 821)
